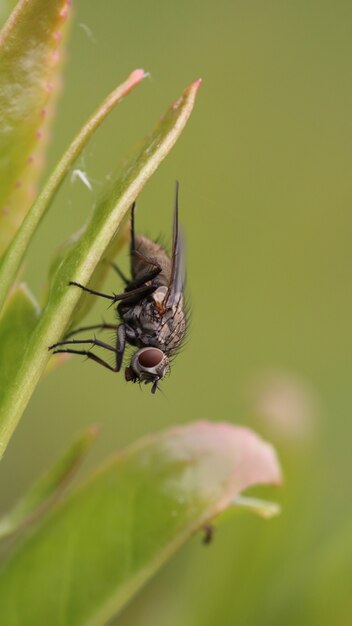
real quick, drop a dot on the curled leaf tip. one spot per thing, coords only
(136, 76)
(191, 90)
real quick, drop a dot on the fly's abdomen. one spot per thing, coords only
(156, 255)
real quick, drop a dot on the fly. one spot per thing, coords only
(150, 311)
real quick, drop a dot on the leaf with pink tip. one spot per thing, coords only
(29, 67)
(91, 555)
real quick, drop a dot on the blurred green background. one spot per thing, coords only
(265, 197)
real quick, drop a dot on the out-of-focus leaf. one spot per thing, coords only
(44, 492)
(87, 559)
(11, 261)
(29, 67)
(82, 260)
(18, 320)
(330, 575)
(6, 7)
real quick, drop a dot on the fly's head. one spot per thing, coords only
(148, 365)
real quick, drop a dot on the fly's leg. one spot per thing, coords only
(133, 296)
(92, 342)
(118, 350)
(89, 355)
(120, 345)
(102, 326)
(127, 295)
(94, 293)
(134, 284)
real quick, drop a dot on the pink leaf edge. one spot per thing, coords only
(236, 456)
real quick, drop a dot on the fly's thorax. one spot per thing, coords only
(143, 317)
(146, 326)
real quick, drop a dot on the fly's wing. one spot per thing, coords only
(177, 278)
(147, 255)
(133, 240)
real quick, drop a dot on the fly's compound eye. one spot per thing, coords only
(150, 358)
(148, 365)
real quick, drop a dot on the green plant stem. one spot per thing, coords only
(14, 255)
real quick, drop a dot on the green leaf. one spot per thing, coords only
(29, 67)
(86, 302)
(329, 576)
(12, 259)
(87, 559)
(49, 487)
(82, 260)
(6, 7)
(19, 318)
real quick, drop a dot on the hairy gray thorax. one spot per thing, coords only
(145, 326)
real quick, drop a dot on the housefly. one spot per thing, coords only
(150, 311)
